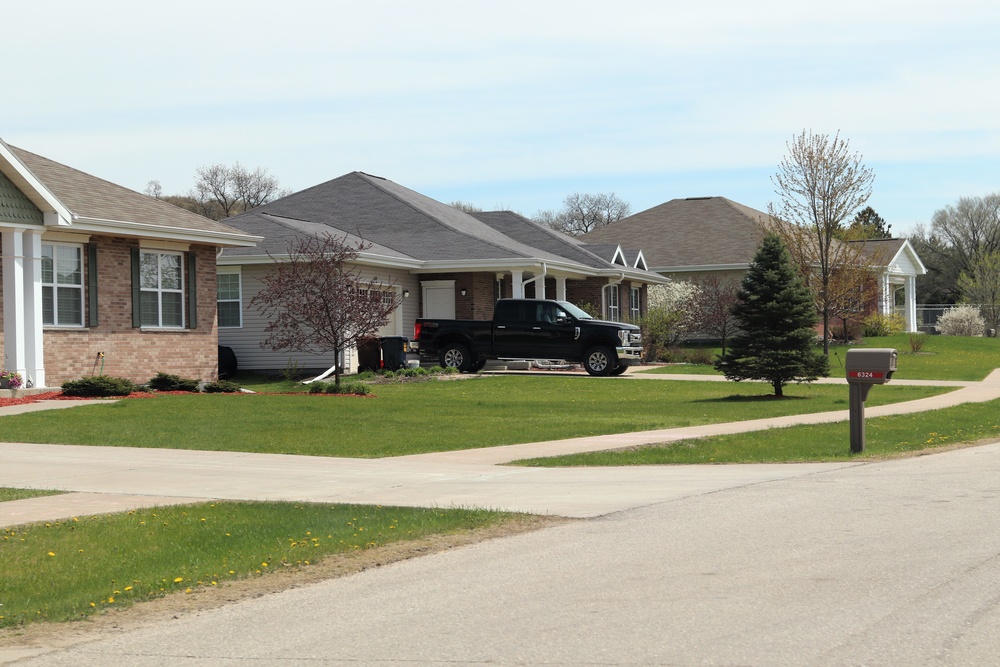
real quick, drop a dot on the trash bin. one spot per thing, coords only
(369, 355)
(394, 349)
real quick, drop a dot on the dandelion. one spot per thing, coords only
(111, 600)
(52, 554)
(128, 588)
(178, 580)
(187, 590)
(263, 564)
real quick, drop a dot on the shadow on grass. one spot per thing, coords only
(741, 398)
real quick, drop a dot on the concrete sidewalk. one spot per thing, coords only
(107, 479)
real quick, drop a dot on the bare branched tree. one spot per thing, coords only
(223, 191)
(715, 301)
(317, 301)
(820, 183)
(582, 213)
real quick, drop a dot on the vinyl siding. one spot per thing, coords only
(245, 340)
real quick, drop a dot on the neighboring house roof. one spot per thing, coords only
(77, 201)
(898, 255)
(689, 234)
(409, 229)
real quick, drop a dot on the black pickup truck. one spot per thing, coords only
(530, 329)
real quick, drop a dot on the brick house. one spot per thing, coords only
(99, 279)
(443, 262)
(691, 239)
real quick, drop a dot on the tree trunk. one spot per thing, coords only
(778, 388)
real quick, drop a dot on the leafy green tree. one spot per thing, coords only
(777, 319)
(867, 224)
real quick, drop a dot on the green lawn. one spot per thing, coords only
(18, 494)
(941, 358)
(439, 415)
(885, 437)
(65, 570)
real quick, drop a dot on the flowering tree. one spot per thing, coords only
(670, 316)
(714, 303)
(317, 300)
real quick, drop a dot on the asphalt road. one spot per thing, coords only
(892, 563)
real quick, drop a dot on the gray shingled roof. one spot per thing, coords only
(95, 199)
(700, 231)
(405, 224)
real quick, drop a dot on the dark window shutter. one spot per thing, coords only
(92, 285)
(136, 293)
(192, 286)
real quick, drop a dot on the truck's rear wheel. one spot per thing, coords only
(599, 361)
(457, 356)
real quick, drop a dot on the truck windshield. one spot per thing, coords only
(574, 311)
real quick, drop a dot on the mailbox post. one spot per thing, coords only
(866, 367)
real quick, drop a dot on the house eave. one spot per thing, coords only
(142, 230)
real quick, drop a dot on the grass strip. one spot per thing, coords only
(938, 358)
(886, 437)
(7, 493)
(427, 416)
(66, 570)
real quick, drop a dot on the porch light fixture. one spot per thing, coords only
(463, 291)
(406, 293)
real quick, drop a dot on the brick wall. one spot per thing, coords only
(132, 353)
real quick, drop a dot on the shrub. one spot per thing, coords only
(917, 341)
(222, 387)
(878, 324)
(355, 388)
(961, 321)
(166, 382)
(98, 385)
(700, 355)
(318, 387)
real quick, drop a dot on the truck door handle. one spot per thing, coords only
(536, 328)
(501, 326)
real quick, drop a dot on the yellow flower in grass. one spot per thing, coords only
(52, 554)
(178, 580)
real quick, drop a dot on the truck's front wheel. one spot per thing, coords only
(599, 361)
(457, 356)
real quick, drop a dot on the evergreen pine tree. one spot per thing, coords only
(776, 318)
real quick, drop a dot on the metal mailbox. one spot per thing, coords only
(873, 365)
(866, 367)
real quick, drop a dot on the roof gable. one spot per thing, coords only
(699, 231)
(76, 199)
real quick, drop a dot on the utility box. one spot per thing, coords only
(866, 367)
(873, 365)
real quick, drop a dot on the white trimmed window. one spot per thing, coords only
(611, 303)
(229, 297)
(635, 303)
(161, 285)
(62, 285)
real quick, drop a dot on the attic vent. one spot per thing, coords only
(697, 198)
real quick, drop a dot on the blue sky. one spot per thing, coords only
(517, 104)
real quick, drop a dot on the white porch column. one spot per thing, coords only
(885, 295)
(516, 278)
(540, 287)
(910, 295)
(560, 288)
(34, 347)
(13, 301)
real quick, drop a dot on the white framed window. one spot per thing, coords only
(161, 287)
(611, 308)
(62, 285)
(635, 303)
(229, 297)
